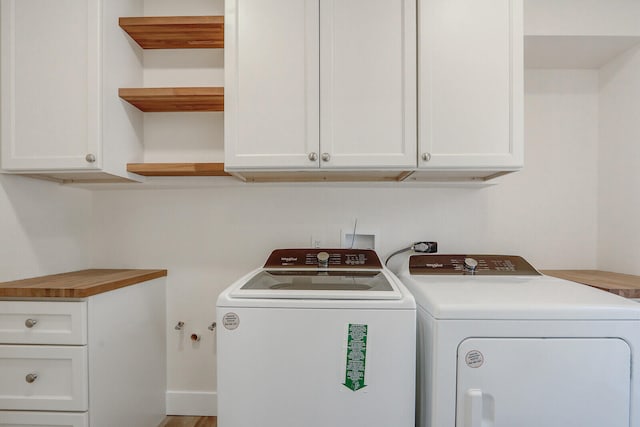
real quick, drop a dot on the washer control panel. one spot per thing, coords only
(480, 265)
(323, 258)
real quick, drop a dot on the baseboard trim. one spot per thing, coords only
(196, 403)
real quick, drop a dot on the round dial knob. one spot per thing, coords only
(323, 259)
(470, 264)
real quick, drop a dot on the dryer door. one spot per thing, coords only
(552, 382)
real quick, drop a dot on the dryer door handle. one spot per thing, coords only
(478, 409)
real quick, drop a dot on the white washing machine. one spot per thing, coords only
(317, 338)
(500, 345)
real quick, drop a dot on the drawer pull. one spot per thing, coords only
(30, 323)
(30, 378)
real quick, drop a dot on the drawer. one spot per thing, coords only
(61, 383)
(43, 322)
(42, 419)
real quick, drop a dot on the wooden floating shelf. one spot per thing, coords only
(177, 169)
(176, 32)
(171, 99)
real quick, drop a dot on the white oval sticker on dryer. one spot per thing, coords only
(474, 359)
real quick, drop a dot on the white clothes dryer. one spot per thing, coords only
(500, 345)
(317, 338)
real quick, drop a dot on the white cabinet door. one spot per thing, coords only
(470, 83)
(50, 84)
(320, 83)
(543, 382)
(271, 84)
(368, 83)
(62, 64)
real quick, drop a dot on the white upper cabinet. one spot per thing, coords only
(62, 62)
(320, 83)
(368, 83)
(271, 83)
(470, 80)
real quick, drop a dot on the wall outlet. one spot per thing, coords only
(316, 242)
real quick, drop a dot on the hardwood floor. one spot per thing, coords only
(181, 421)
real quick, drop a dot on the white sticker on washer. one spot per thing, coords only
(474, 359)
(231, 321)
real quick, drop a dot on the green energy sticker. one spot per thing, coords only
(356, 357)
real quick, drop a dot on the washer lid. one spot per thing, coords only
(322, 284)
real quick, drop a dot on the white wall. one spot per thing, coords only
(208, 237)
(44, 228)
(619, 161)
(553, 198)
(179, 137)
(584, 34)
(582, 17)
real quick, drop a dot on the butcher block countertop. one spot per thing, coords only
(77, 284)
(626, 285)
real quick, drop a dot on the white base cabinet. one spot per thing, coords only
(62, 64)
(95, 362)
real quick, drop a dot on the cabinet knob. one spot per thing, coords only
(30, 323)
(30, 378)
(326, 157)
(426, 156)
(90, 158)
(313, 156)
